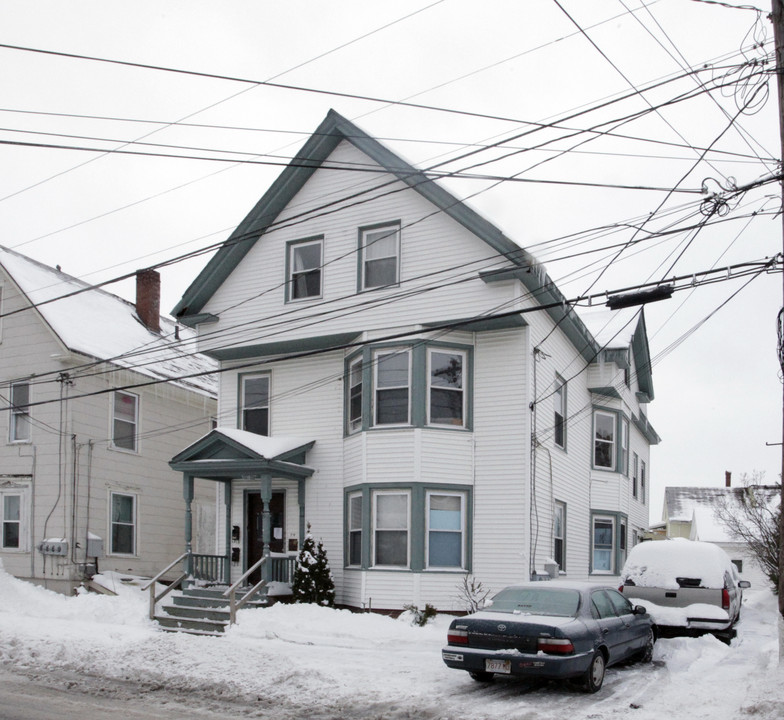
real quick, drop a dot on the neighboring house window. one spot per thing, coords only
(390, 529)
(603, 545)
(445, 530)
(635, 470)
(642, 481)
(559, 535)
(20, 412)
(625, 446)
(304, 264)
(12, 520)
(123, 524)
(447, 401)
(604, 440)
(635, 538)
(355, 529)
(622, 543)
(255, 411)
(738, 565)
(559, 406)
(392, 388)
(379, 256)
(355, 395)
(125, 421)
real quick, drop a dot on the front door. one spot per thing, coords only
(254, 530)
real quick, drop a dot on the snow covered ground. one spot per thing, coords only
(310, 662)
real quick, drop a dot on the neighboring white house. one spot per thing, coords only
(690, 512)
(407, 380)
(89, 427)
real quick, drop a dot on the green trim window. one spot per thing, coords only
(603, 545)
(125, 421)
(624, 446)
(379, 256)
(354, 382)
(12, 520)
(255, 404)
(355, 529)
(20, 427)
(415, 527)
(604, 440)
(304, 268)
(123, 524)
(446, 530)
(642, 481)
(559, 411)
(393, 384)
(635, 467)
(559, 535)
(446, 405)
(391, 520)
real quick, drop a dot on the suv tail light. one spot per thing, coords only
(457, 637)
(555, 646)
(725, 599)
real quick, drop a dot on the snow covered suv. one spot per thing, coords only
(688, 587)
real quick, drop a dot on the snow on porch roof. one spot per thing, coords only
(269, 448)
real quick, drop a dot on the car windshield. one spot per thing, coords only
(537, 601)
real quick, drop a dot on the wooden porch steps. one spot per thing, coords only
(201, 611)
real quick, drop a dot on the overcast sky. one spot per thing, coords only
(605, 218)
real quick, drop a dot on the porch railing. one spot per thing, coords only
(151, 585)
(211, 568)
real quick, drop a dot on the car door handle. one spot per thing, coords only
(605, 630)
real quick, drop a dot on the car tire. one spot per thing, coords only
(481, 676)
(646, 654)
(594, 675)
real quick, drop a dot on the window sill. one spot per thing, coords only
(124, 451)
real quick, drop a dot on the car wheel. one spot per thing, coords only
(481, 675)
(594, 675)
(646, 654)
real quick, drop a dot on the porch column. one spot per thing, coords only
(301, 500)
(187, 493)
(227, 506)
(266, 531)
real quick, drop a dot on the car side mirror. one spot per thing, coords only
(640, 610)
(744, 584)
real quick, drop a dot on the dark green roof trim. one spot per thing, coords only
(642, 424)
(334, 129)
(201, 318)
(617, 355)
(227, 469)
(642, 358)
(609, 391)
(474, 325)
(284, 347)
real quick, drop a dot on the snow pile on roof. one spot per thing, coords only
(659, 562)
(267, 447)
(103, 326)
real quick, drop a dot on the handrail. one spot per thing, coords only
(151, 585)
(231, 593)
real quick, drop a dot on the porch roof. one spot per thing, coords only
(227, 453)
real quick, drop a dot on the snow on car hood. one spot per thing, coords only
(658, 563)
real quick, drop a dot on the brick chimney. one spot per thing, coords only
(148, 298)
(727, 478)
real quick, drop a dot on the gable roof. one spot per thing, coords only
(333, 130)
(101, 326)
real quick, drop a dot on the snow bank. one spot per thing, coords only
(658, 563)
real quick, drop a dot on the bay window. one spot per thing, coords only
(355, 529)
(603, 545)
(392, 387)
(447, 401)
(390, 529)
(604, 440)
(445, 530)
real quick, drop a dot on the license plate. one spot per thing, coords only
(498, 666)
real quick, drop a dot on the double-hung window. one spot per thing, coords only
(379, 253)
(304, 264)
(559, 535)
(125, 421)
(392, 387)
(604, 440)
(445, 530)
(123, 524)
(12, 520)
(642, 481)
(446, 392)
(20, 412)
(625, 446)
(255, 409)
(391, 518)
(355, 529)
(355, 395)
(559, 407)
(603, 545)
(635, 466)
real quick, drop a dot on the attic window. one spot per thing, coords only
(304, 268)
(379, 251)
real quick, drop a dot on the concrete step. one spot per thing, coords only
(201, 626)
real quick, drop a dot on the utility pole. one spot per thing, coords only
(777, 17)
